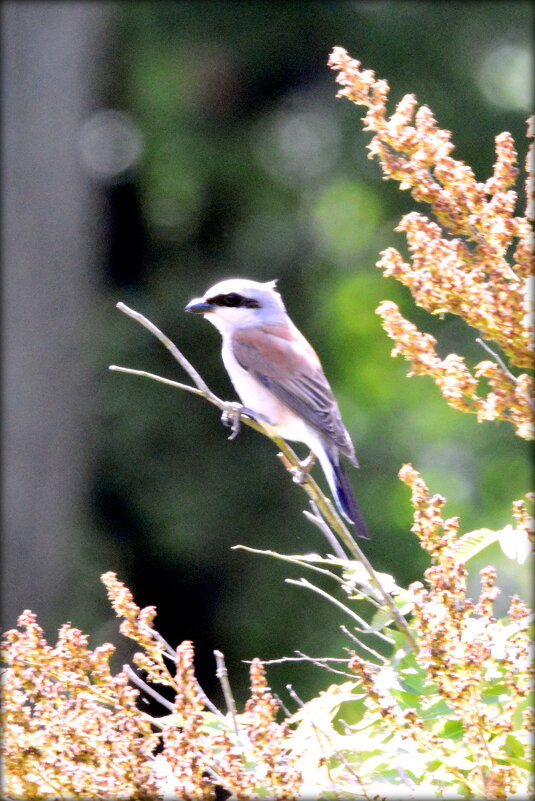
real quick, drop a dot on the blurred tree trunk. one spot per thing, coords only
(52, 53)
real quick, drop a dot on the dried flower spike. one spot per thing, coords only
(460, 263)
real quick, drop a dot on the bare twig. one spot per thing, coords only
(155, 377)
(367, 648)
(365, 628)
(301, 658)
(206, 701)
(497, 358)
(227, 407)
(169, 651)
(287, 456)
(292, 559)
(315, 518)
(222, 675)
(335, 521)
(322, 662)
(171, 347)
(292, 693)
(504, 367)
(286, 712)
(132, 675)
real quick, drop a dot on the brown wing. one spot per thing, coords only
(282, 360)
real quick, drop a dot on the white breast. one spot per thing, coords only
(283, 422)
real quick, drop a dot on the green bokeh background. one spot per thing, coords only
(252, 167)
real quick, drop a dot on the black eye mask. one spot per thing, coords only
(233, 300)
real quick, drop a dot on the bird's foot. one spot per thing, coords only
(300, 474)
(232, 416)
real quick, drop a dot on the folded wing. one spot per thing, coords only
(283, 361)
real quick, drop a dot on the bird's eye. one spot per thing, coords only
(232, 299)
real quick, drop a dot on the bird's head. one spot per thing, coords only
(240, 303)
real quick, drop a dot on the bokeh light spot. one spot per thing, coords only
(110, 143)
(505, 76)
(298, 144)
(346, 215)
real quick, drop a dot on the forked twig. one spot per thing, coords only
(365, 628)
(323, 506)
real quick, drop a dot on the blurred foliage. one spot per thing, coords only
(251, 167)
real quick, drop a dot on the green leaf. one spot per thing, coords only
(453, 730)
(406, 700)
(415, 681)
(404, 649)
(473, 542)
(495, 693)
(383, 617)
(525, 764)
(513, 747)
(518, 714)
(439, 709)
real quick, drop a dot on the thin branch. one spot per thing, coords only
(316, 518)
(202, 389)
(328, 668)
(169, 651)
(324, 663)
(288, 558)
(301, 658)
(222, 675)
(282, 705)
(294, 696)
(171, 347)
(132, 675)
(335, 521)
(365, 627)
(302, 561)
(287, 455)
(155, 377)
(497, 358)
(367, 648)
(404, 776)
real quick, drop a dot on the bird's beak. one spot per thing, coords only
(199, 306)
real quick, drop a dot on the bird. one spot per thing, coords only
(279, 379)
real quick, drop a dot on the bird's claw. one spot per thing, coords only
(231, 416)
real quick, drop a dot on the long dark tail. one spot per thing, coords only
(345, 499)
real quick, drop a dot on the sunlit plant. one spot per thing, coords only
(435, 699)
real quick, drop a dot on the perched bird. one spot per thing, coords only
(278, 376)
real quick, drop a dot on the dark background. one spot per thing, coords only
(150, 150)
